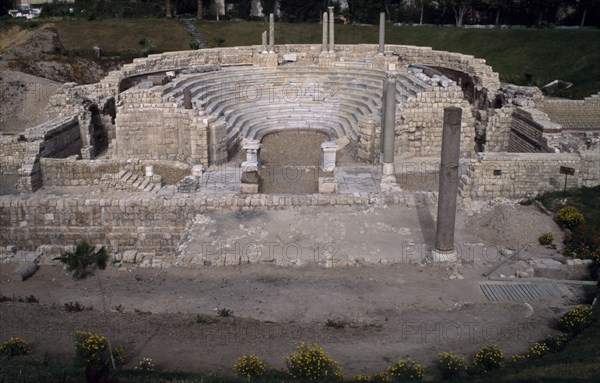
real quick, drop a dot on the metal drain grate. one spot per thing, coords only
(521, 292)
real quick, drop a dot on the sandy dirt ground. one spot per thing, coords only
(390, 311)
(23, 100)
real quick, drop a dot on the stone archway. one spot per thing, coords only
(290, 161)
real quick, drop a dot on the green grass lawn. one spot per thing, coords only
(123, 35)
(543, 55)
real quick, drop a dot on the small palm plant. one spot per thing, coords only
(85, 255)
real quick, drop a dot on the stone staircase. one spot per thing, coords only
(191, 28)
(139, 181)
(131, 181)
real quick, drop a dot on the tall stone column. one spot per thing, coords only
(271, 33)
(331, 31)
(325, 26)
(382, 125)
(264, 42)
(187, 99)
(381, 32)
(444, 250)
(389, 128)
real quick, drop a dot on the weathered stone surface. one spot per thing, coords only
(25, 270)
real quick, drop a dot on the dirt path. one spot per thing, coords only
(390, 311)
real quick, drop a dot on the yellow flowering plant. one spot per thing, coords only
(406, 371)
(15, 347)
(312, 363)
(576, 319)
(377, 378)
(570, 217)
(488, 358)
(538, 350)
(93, 349)
(451, 365)
(249, 366)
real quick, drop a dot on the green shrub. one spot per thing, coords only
(546, 239)
(224, 313)
(406, 371)
(377, 378)
(311, 362)
(536, 351)
(84, 256)
(451, 365)
(583, 243)
(556, 343)
(570, 217)
(576, 319)
(249, 367)
(15, 347)
(93, 349)
(336, 324)
(145, 365)
(488, 358)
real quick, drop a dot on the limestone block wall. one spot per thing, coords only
(519, 175)
(57, 138)
(307, 54)
(149, 128)
(143, 224)
(532, 132)
(419, 123)
(153, 226)
(13, 153)
(498, 129)
(71, 172)
(574, 115)
(590, 168)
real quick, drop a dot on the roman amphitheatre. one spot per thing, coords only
(257, 179)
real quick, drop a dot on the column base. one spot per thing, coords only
(443, 256)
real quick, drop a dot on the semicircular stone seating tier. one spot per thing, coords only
(253, 102)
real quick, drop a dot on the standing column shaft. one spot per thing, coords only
(389, 129)
(446, 216)
(331, 36)
(325, 26)
(381, 32)
(381, 130)
(264, 41)
(271, 33)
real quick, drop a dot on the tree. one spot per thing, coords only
(366, 11)
(268, 6)
(5, 6)
(497, 5)
(200, 12)
(168, 11)
(460, 8)
(299, 11)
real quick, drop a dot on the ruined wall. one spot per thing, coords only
(574, 115)
(532, 132)
(150, 225)
(149, 128)
(419, 123)
(71, 172)
(498, 129)
(13, 153)
(308, 54)
(518, 175)
(57, 138)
